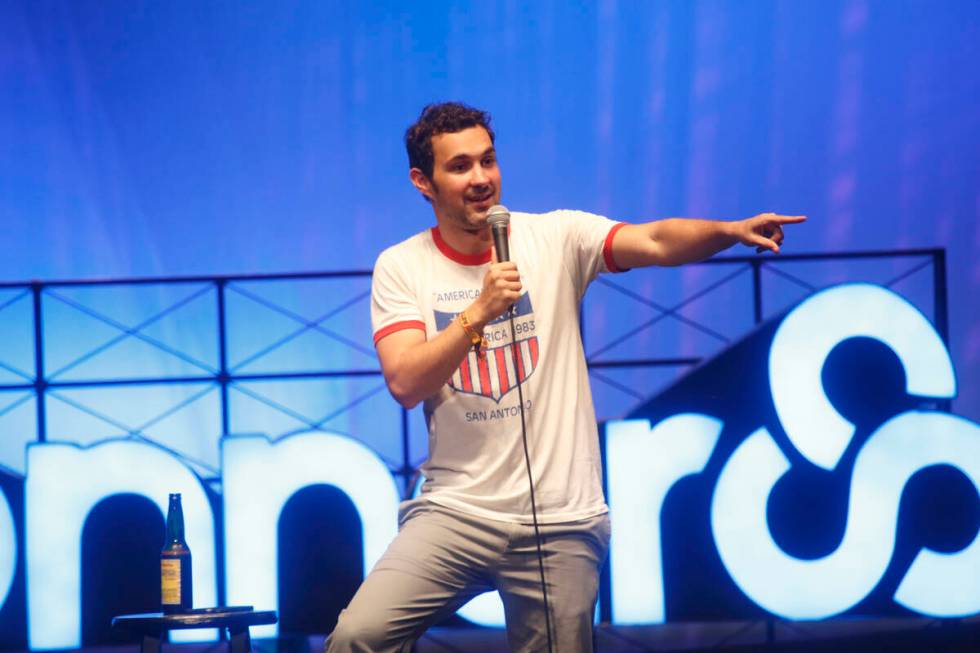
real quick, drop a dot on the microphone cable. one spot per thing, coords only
(498, 218)
(515, 353)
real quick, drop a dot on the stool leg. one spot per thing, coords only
(150, 643)
(241, 642)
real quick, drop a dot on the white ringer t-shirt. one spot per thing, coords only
(476, 458)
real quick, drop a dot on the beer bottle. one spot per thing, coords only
(175, 563)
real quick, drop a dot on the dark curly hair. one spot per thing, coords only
(440, 118)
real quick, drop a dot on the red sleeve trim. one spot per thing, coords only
(607, 254)
(398, 326)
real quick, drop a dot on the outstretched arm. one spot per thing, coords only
(676, 241)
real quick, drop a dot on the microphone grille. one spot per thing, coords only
(498, 214)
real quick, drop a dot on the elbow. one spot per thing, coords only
(403, 395)
(408, 403)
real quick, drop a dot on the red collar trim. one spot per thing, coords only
(455, 255)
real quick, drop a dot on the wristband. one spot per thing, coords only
(476, 338)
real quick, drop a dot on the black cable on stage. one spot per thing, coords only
(515, 353)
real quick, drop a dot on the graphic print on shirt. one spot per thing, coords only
(497, 373)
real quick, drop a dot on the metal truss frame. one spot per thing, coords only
(46, 383)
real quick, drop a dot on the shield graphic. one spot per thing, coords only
(497, 373)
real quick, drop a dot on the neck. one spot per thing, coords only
(467, 241)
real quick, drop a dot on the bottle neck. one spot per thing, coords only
(175, 523)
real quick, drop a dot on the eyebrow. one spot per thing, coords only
(464, 156)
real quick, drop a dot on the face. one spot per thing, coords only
(465, 179)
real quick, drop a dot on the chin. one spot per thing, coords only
(476, 218)
(480, 222)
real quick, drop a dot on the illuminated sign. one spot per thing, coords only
(808, 334)
(939, 584)
(260, 476)
(694, 489)
(8, 548)
(64, 483)
(643, 465)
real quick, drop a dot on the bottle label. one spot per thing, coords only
(170, 581)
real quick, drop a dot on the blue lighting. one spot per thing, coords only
(809, 333)
(644, 461)
(259, 477)
(150, 139)
(642, 465)
(8, 548)
(782, 584)
(64, 483)
(486, 609)
(936, 584)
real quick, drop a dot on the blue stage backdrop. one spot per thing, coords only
(162, 139)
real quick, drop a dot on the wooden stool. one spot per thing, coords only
(237, 619)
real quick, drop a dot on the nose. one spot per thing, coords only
(479, 176)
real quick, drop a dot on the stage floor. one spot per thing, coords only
(839, 636)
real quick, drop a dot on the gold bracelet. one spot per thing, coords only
(476, 338)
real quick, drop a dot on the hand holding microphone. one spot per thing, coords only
(502, 283)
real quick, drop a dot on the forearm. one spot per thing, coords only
(676, 241)
(419, 371)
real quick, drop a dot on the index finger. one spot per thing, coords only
(788, 219)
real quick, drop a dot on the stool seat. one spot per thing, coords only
(237, 619)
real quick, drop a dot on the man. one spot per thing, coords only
(440, 305)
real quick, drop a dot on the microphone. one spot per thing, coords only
(498, 217)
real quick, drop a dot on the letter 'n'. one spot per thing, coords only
(64, 483)
(260, 476)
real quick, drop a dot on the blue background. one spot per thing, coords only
(141, 138)
(178, 138)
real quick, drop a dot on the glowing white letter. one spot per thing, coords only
(8, 548)
(824, 320)
(937, 584)
(642, 465)
(64, 483)
(259, 478)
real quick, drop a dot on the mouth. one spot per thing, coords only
(481, 198)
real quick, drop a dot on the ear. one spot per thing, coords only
(421, 182)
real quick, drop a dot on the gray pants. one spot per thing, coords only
(442, 558)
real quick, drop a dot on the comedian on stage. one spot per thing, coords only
(467, 334)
